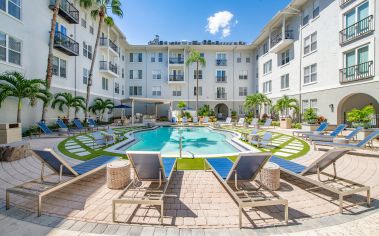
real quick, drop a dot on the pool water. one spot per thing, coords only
(197, 141)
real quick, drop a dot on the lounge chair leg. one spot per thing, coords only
(39, 205)
(113, 211)
(6, 200)
(341, 203)
(286, 212)
(240, 217)
(161, 214)
(368, 198)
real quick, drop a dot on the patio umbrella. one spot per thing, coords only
(123, 107)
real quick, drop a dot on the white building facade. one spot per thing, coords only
(321, 52)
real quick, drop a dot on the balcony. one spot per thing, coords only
(357, 30)
(109, 68)
(345, 2)
(105, 42)
(176, 79)
(67, 11)
(176, 60)
(221, 62)
(357, 72)
(221, 96)
(221, 79)
(66, 44)
(278, 43)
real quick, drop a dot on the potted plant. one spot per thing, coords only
(283, 106)
(234, 115)
(310, 118)
(361, 117)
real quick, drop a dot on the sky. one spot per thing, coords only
(176, 20)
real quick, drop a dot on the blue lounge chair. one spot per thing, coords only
(319, 130)
(322, 137)
(118, 135)
(148, 167)
(267, 124)
(184, 120)
(254, 123)
(241, 122)
(265, 141)
(227, 122)
(206, 120)
(244, 170)
(253, 135)
(195, 120)
(46, 131)
(360, 145)
(67, 175)
(92, 124)
(333, 183)
(79, 125)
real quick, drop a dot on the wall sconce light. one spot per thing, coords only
(331, 106)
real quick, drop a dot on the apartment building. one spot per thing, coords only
(323, 53)
(320, 51)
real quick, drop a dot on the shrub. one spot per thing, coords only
(361, 117)
(310, 116)
(275, 123)
(163, 118)
(296, 126)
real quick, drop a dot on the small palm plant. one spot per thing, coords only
(99, 106)
(69, 101)
(181, 105)
(254, 101)
(361, 117)
(310, 116)
(285, 104)
(195, 57)
(14, 84)
(99, 9)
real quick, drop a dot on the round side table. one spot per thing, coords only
(270, 176)
(118, 174)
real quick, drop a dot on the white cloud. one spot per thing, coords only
(221, 22)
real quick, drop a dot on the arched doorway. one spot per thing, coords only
(358, 101)
(221, 111)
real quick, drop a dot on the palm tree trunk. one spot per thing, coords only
(49, 69)
(19, 106)
(68, 113)
(89, 84)
(197, 88)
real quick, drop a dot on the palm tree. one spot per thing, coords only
(285, 104)
(181, 105)
(100, 106)
(69, 101)
(256, 100)
(99, 8)
(14, 84)
(49, 69)
(195, 57)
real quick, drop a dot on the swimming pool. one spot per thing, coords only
(198, 141)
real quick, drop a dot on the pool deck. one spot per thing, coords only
(202, 207)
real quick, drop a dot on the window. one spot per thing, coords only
(135, 57)
(310, 43)
(310, 74)
(316, 9)
(152, 57)
(358, 16)
(247, 59)
(267, 67)
(305, 20)
(91, 29)
(156, 90)
(242, 91)
(285, 81)
(139, 57)
(313, 104)
(85, 76)
(267, 87)
(131, 57)
(243, 75)
(135, 90)
(221, 76)
(122, 90)
(177, 92)
(13, 7)
(156, 74)
(116, 88)
(305, 105)
(240, 109)
(239, 59)
(10, 49)
(123, 58)
(87, 50)
(221, 93)
(59, 67)
(135, 74)
(104, 83)
(200, 74)
(202, 55)
(285, 57)
(84, 22)
(265, 47)
(139, 74)
(200, 91)
(56, 66)
(160, 57)
(122, 73)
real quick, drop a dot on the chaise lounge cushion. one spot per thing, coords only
(288, 165)
(90, 165)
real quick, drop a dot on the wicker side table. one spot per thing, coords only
(118, 174)
(270, 176)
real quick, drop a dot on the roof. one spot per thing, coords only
(146, 100)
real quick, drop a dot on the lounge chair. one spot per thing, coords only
(350, 136)
(62, 125)
(195, 120)
(206, 120)
(335, 184)
(228, 121)
(235, 177)
(360, 145)
(100, 139)
(265, 141)
(66, 175)
(254, 123)
(184, 120)
(45, 131)
(253, 134)
(267, 124)
(241, 122)
(117, 135)
(148, 167)
(79, 126)
(319, 130)
(333, 134)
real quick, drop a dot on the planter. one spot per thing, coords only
(10, 133)
(309, 127)
(285, 123)
(364, 133)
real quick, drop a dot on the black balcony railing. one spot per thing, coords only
(361, 28)
(176, 78)
(107, 42)
(221, 79)
(67, 11)
(113, 46)
(221, 62)
(344, 2)
(277, 38)
(357, 72)
(221, 96)
(176, 60)
(66, 44)
(108, 66)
